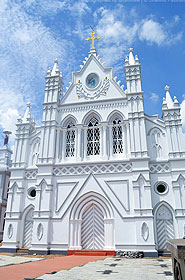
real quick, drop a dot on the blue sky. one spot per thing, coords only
(34, 33)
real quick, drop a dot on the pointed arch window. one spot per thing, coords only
(117, 136)
(93, 137)
(70, 140)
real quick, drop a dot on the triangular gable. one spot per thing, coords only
(106, 89)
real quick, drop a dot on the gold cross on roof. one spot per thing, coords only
(93, 38)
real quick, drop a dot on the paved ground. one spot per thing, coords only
(117, 269)
(34, 269)
(10, 260)
(83, 268)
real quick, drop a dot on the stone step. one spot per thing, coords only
(22, 251)
(91, 252)
(164, 253)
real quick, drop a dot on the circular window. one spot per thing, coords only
(92, 80)
(32, 192)
(161, 188)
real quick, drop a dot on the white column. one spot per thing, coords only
(79, 234)
(85, 144)
(63, 143)
(104, 140)
(78, 142)
(57, 144)
(109, 233)
(110, 142)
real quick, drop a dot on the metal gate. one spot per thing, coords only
(28, 226)
(92, 229)
(164, 226)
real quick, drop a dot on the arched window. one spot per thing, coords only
(70, 140)
(156, 144)
(117, 138)
(93, 137)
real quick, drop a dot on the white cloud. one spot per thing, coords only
(154, 97)
(155, 32)
(27, 48)
(116, 35)
(152, 32)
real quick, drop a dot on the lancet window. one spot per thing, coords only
(156, 144)
(117, 136)
(93, 137)
(70, 140)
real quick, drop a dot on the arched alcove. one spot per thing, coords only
(164, 225)
(27, 227)
(91, 223)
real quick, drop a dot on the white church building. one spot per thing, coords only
(98, 173)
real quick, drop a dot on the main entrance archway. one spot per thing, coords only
(91, 223)
(28, 226)
(92, 228)
(164, 226)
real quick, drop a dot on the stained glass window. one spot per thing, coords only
(117, 137)
(93, 138)
(70, 140)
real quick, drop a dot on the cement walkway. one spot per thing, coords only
(117, 269)
(36, 268)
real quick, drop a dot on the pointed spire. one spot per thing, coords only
(136, 59)
(55, 69)
(19, 119)
(48, 72)
(164, 105)
(27, 115)
(131, 57)
(176, 102)
(169, 100)
(126, 60)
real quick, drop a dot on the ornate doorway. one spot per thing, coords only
(28, 226)
(164, 226)
(92, 228)
(91, 223)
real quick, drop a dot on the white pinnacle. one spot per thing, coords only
(55, 69)
(27, 115)
(131, 57)
(169, 100)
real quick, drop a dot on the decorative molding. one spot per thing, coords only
(10, 231)
(159, 168)
(31, 174)
(96, 169)
(145, 231)
(40, 231)
(85, 108)
(94, 94)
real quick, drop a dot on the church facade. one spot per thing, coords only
(98, 173)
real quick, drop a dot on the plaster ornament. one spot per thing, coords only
(145, 231)
(81, 92)
(10, 231)
(40, 231)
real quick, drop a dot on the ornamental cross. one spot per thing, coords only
(93, 38)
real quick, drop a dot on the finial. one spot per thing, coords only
(131, 57)
(136, 59)
(28, 104)
(169, 100)
(92, 38)
(55, 69)
(176, 102)
(167, 88)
